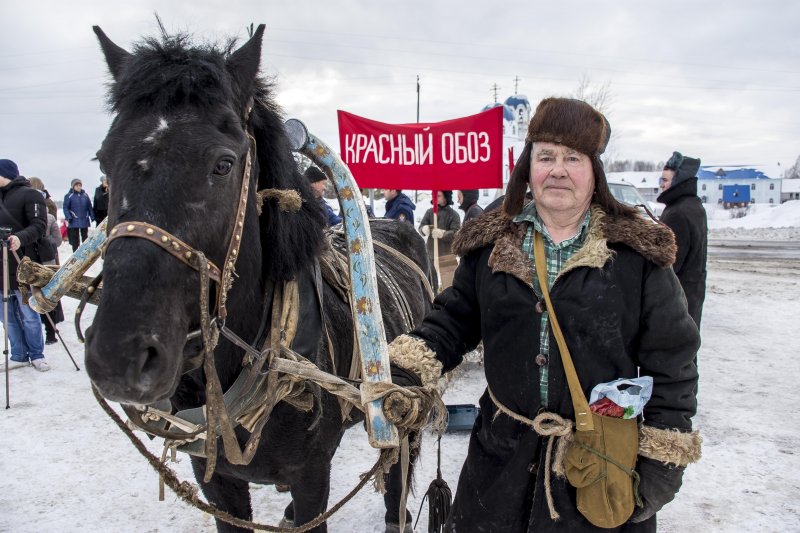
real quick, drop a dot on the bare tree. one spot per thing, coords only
(601, 97)
(793, 171)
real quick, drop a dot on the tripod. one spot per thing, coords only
(4, 235)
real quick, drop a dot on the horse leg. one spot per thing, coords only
(310, 491)
(228, 494)
(394, 492)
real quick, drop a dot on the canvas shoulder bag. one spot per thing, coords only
(601, 458)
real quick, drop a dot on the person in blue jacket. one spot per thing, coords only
(319, 181)
(399, 206)
(78, 213)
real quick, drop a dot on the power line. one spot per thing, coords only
(516, 50)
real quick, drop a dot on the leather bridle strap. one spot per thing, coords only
(168, 242)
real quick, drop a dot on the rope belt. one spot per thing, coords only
(553, 427)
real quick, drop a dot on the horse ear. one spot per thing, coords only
(243, 63)
(115, 55)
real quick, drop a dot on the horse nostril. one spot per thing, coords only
(151, 360)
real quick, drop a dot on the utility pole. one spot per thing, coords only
(494, 90)
(416, 193)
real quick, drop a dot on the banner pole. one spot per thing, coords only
(435, 196)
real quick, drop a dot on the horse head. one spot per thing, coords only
(175, 156)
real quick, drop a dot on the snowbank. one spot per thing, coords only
(786, 215)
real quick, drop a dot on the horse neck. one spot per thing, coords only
(244, 305)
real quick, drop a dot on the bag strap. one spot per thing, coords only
(583, 416)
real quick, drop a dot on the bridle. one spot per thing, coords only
(191, 257)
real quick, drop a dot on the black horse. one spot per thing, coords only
(174, 156)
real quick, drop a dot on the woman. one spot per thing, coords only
(448, 223)
(54, 237)
(619, 305)
(78, 212)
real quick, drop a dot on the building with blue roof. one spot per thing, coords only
(737, 185)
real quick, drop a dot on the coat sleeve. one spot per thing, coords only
(683, 239)
(53, 231)
(451, 226)
(667, 351)
(427, 219)
(36, 215)
(67, 207)
(453, 326)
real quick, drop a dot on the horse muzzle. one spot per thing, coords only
(137, 369)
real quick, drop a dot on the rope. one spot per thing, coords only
(188, 492)
(408, 407)
(548, 425)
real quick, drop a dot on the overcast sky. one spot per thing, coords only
(717, 80)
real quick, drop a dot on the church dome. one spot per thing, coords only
(518, 100)
(508, 113)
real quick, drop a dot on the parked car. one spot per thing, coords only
(628, 194)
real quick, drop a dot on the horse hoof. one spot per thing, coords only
(282, 488)
(285, 522)
(395, 528)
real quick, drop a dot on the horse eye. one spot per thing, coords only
(223, 167)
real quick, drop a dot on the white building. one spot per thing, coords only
(753, 185)
(790, 190)
(646, 182)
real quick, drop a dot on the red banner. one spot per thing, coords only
(465, 153)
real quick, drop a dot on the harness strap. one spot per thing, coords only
(165, 240)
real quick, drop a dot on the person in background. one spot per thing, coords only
(78, 212)
(23, 210)
(101, 201)
(448, 224)
(319, 181)
(53, 235)
(686, 217)
(622, 314)
(468, 202)
(399, 206)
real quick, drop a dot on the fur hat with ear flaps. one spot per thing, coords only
(570, 122)
(577, 125)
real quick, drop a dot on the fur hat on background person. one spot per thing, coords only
(313, 174)
(570, 122)
(684, 167)
(74, 182)
(8, 169)
(470, 199)
(577, 125)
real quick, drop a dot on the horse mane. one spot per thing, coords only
(290, 241)
(171, 72)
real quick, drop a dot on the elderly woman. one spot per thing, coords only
(621, 310)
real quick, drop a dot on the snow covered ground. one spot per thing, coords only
(67, 468)
(762, 222)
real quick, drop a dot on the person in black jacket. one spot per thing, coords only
(24, 212)
(686, 217)
(468, 201)
(622, 312)
(101, 201)
(319, 181)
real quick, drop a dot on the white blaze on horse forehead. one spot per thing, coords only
(159, 130)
